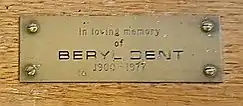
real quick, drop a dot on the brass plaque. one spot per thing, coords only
(166, 48)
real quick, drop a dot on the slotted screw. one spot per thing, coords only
(33, 27)
(207, 25)
(31, 69)
(210, 70)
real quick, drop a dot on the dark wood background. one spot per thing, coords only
(13, 93)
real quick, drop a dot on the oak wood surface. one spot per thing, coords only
(14, 93)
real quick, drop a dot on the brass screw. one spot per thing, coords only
(207, 25)
(210, 70)
(31, 69)
(33, 27)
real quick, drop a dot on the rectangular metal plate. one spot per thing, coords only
(166, 48)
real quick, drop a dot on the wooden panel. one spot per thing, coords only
(13, 93)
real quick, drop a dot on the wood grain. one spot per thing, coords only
(13, 93)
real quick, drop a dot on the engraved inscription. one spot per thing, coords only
(133, 54)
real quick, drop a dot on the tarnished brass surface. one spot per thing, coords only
(166, 48)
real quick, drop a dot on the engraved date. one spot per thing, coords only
(137, 66)
(104, 67)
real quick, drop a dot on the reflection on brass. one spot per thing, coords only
(171, 48)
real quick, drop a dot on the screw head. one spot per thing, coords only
(31, 69)
(207, 26)
(33, 27)
(210, 70)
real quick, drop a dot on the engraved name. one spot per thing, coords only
(133, 55)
